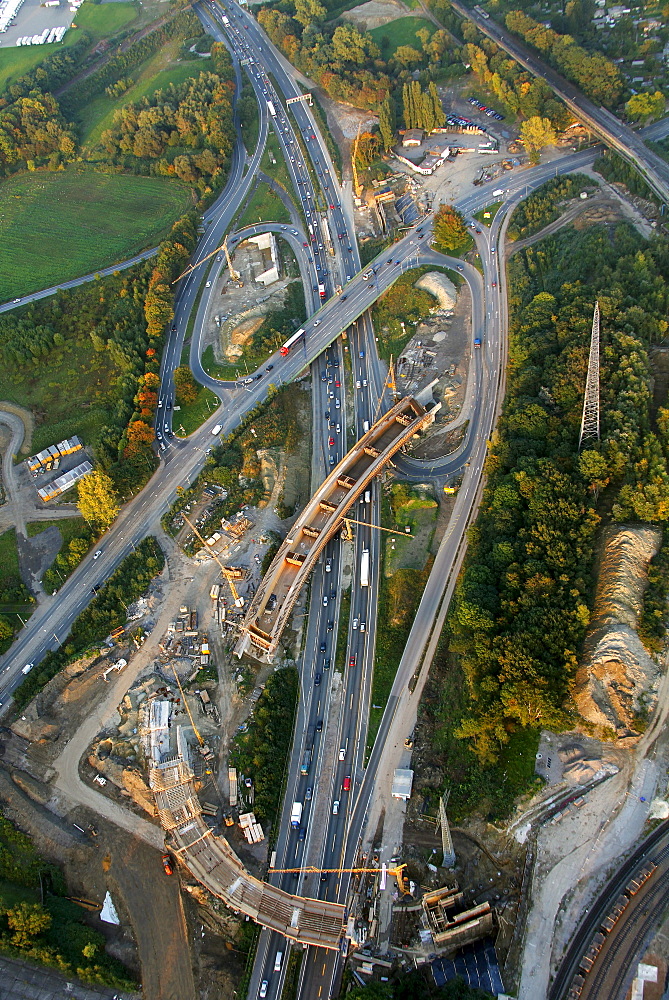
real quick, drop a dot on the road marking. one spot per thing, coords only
(323, 972)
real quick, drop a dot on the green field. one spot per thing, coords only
(103, 20)
(490, 210)
(190, 417)
(400, 32)
(83, 219)
(69, 528)
(264, 206)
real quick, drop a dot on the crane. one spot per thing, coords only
(391, 384)
(239, 601)
(234, 275)
(190, 715)
(383, 872)
(357, 186)
(348, 534)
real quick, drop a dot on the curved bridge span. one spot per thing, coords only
(212, 861)
(270, 608)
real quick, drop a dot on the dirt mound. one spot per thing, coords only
(441, 287)
(375, 13)
(618, 680)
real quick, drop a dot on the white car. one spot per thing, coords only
(325, 600)
(335, 807)
(337, 404)
(363, 626)
(357, 383)
(263, 989)
(317, 322)
(208, 285)
(98, 554)
(356, 622)
(342, 753)
(328, 565)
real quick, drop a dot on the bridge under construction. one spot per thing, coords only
(322, 517)
(212, 861)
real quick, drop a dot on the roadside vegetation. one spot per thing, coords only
(546, 204)
(38, 924)
(417, 986)
(613, 168)
(76, 537)
(261, 753)
(263, 206)
(396, 313)
(486, 215)
(106, 612)
(15, 598)
(523, 601)
(651, 627)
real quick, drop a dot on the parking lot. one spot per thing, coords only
(32, 18)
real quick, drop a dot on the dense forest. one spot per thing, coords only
(546, 204)
(346, 62)
(184, 131)
(416, 986)
(522, 603)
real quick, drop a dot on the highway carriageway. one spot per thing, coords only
(268, 613)
(212, 861)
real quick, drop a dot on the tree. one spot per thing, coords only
(27, 920)
(186, 387)
(535, 133)
(450, 231)
(642, 107)
(6, 630)
(387, 122)
(309, 12)
(98, 502)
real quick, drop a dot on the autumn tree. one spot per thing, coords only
(644, 107)
(450, 231)
(535, 133)
(387, 122)
(27, 920)
(98, 502)
(186, 387)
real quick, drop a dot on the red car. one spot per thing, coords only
(305, 244)
(337, 383)
(347, 783)
(167, 865)
(351, 662)
(332, 208)
(331, 442)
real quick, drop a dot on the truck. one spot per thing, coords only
(364, 568)
(296, 815)
(217, 430)
(321, 290)
(498, 192)
(477, 342)
(271, 109)
(306, 761)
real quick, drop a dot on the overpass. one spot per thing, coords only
(615, 134)
(272, 603)
(212, 861)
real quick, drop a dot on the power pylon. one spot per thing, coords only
(590, 419)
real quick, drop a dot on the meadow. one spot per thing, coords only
(82, 217)
(400, 32)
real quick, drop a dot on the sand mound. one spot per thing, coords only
(441, 287)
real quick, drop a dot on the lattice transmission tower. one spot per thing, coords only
(590, 418)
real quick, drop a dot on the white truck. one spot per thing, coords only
(364, 568)
(296, 815)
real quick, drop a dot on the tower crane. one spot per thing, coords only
(357, 186)
(382, 872)
(391, 384)
(239, 601)
(348, 534)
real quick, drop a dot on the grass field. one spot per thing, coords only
(264, 206)
(490, 210)
(69, 528)
(400, 32)
(9, 560)
(82, 217)
(189, 418)
(103, 20)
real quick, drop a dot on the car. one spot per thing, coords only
(335, 807)
(28, 667)
(308, 793)
(313, 136)
(361, 354)
(99, 780)
(167, 864)
(262, 992)
(303, 833)
(337, 404)
(325, 600)
(332, 460)
(328, 565)
(357, 383)
(330, 625)
(317, 679)
(319, 726)
(331, 442)
(338, 428)
(174, 328)
(337, 384)
(363, 626)
(326, 662)
(168, 404)
(97, 554)
(344, 297)
(269, 368)
(347, 783)
(332, 208)
(323, 647)
(317, 322)
(356, 622)
(208, 284)
(96, 588)
(305, 244)
(364, 383)
(494, 284)
(352, 661)
(324, 876)
(492, 249)
(327, 414)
